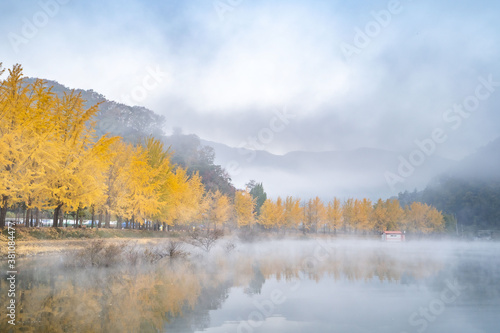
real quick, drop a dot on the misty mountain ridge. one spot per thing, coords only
(482, 165)
(353, 173)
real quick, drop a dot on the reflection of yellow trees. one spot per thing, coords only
(122, 301)
(337, 263)
(144, 299)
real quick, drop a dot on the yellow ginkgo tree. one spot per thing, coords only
(80, 161)
(27, 141)
(334, 214)
(244, 205)
(218, 209)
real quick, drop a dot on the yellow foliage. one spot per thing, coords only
(272, 214)
(314, 214)
(334, 214)
(423, 218)
(244, 206)
(293, 212)
(217, 208)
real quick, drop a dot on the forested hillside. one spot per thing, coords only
(134, 123)
(470, 192)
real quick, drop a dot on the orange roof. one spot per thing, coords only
(392, 232)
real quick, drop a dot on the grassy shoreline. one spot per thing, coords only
(46, 241)
(49, 233)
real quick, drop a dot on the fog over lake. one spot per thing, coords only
(314, 285)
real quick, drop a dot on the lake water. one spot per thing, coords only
(274, 286)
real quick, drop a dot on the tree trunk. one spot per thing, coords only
(76, 217)
(99, 224)
(61, 218)
(93, 217)
(37, 217)
(56, 216)
(119, 221)
(27, 218)
(108, 219)
(3, 210)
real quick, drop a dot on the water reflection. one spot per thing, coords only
(220, 289)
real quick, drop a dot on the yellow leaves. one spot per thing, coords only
(380, 216)
(435, 220)
(395, 214)
(271, 213)
(117, 180)
(348, 212)
(158, 157)
(293, 212)
(281, 214)
(217, 208)
(48, 152)
(359, 214)
(26, 138)
(192, 199)
(142, 199)
(362, 214)
(423, 218)
(244, 205)
(314, 214)
(80, 161)
(334, 214)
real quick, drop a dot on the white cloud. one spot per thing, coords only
(225, 78)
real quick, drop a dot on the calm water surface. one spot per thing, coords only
(276, 286)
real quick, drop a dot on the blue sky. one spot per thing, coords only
(350, 75)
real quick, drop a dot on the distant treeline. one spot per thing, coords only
(350, 216)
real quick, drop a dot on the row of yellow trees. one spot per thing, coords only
(51, 159)
(352, 215)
